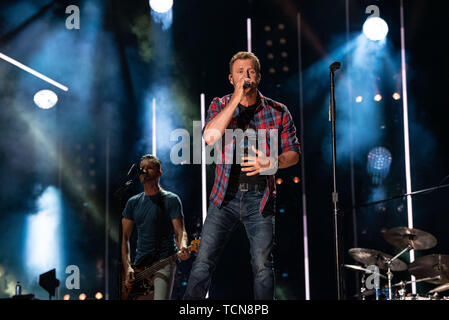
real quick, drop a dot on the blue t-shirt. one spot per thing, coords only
(143, 210)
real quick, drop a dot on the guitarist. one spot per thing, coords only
(158, 217)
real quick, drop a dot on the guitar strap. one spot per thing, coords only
(160, 201)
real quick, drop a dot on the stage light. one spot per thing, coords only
(359, 99)
(379, 162)
(67, 297)
(98, 296)
(33, 72)
(44, 236)
(284, 275)
(281, 210)
(377, 97)
(396, 96)
(279, 181)
(161, 6)
(45, 99)
(82, 296)
(296, 180)
(375, 28)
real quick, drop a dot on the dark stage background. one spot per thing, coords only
(60, 167)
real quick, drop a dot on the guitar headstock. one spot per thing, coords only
(194, 245)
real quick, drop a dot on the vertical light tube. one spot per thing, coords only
(106, 231)
(154, 127)
(203, 163)
(303, 176)
(203, 159)
(408, 178)
(248, 33)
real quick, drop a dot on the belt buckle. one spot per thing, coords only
(243, 187)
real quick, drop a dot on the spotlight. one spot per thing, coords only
(377, 97)
(396, 96)
(67, 297)
(279, 181)
(379, 163)
(375, 28)
(82, 296)
(98, 296)
(161, 6)
(45, 99)
(359, 99)
(296, 180)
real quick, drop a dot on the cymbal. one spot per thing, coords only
(401, 237)
(432, 265)
(374, 257)
(443, 287)
(359, 268)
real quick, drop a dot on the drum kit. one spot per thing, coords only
(432, 268)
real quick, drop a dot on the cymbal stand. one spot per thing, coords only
(389, 273)
(362, 287)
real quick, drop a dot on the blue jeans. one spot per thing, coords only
(219, 224)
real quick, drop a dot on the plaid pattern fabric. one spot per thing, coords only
(269, 114)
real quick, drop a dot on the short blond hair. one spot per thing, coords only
(243, 55)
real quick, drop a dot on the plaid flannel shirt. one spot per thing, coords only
(269, 114)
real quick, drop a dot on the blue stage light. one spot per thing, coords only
(375, 28)
(161, 6)
(379, 163)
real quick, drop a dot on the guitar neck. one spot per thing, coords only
(162, 263)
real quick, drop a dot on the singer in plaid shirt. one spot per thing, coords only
(244, 188)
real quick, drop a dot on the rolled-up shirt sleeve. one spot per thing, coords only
(289, 140)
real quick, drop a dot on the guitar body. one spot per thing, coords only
(143, 288)
(143, 285)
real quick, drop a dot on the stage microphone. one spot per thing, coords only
(142, 171)
(247, 85)
(335, 66)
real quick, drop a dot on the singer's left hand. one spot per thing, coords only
(257, 164)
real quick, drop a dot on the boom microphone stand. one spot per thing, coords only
(333, 67)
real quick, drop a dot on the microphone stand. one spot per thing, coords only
(333, 67)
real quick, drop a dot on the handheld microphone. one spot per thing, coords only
(247, 85)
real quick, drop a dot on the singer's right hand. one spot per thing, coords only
(239, 88)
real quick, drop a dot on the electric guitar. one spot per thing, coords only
(144, 275)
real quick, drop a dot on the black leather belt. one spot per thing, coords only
(245, 187)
